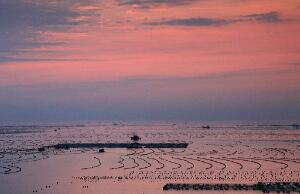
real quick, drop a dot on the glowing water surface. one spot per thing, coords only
(224, 153)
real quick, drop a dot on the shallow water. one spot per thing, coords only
(232, 152)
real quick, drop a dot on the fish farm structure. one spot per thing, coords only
(115, 145)
(278, 187)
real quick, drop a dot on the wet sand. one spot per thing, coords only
(224, 153)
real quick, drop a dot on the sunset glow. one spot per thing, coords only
(136, 59)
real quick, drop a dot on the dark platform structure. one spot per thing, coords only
(116, 145)
(266, 187)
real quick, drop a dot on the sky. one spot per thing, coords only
(149, 60)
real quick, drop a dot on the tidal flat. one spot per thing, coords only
(217, 153)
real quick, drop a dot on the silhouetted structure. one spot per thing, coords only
(135, 138)
(41, 149)
(116, 145)
(284, 187)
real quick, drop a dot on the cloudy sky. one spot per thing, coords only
(149, 60)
